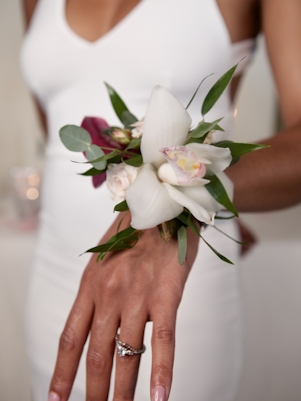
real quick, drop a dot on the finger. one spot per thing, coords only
(127, 367)
(100, 353)
(163, 347)
(71, 344)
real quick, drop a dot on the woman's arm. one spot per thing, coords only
(28, 7)
(271, 178)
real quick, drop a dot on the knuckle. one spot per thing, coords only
(96, 363)
(67, 340)
(111, 287)
(162, 371)
(59, 383)
(163, 335)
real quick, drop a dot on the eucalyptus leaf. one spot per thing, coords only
(121, 207)
(217, 190)
(217, 90)
(196, 91)
(93, 153)
(204, 128)
(135, 161)
(182, 244)
(239, 149)
(75, 138)
(117, 103)
(128, 118)
(222, 257)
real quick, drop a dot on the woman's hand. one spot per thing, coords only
(125, 290)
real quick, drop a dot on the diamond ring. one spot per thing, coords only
(124, 349)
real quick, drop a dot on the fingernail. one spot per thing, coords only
(158, 394)
(53, 397)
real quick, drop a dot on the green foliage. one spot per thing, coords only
(222, 257)
(239, 149)
(182, 244)
(128, 118)
(124, 239)
(94, 152)
(75, 138)
(134, 144)
(92, 172)
(196, 91)
(121, 207)
(217, 190)
(204, 128)
(217, 90)
(135, 161)
(121, 110)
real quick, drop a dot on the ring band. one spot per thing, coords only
(124, 349)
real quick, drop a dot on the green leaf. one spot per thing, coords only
(121, 207)
(183, 218)
(192, 225)
(182, 244)
(107, 247)
(224, 218)
(196, 91)
(222, 257)
(135, 161)
(134, 144)
(228, 236)
(217, 90)
(128, 118)
(75, 138)
(114, 157)
(239, 149)
(93, 153)
(204, 128)
(117, 103)
(122, 240)
(92, 172)
(217, 190)
(122, 234)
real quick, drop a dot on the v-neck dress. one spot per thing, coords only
(174, 43)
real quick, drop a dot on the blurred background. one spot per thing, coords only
(270, 274)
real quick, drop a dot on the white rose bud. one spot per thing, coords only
(119, 178)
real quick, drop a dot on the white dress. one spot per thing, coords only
(174, 43)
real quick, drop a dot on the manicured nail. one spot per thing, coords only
(158, 394)
(53, 397)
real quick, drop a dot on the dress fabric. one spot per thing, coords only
(174, 43)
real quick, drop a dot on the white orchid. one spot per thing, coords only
(172, 176)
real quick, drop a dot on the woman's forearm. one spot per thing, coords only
(269, 179)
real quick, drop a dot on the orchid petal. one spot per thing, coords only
(166, 174)
(185, 163)
(192, 199)
(166, 124)
(149, 202)
(220, 157)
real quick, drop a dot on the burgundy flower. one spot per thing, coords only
(96, 126)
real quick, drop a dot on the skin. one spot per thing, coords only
(132, 285)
